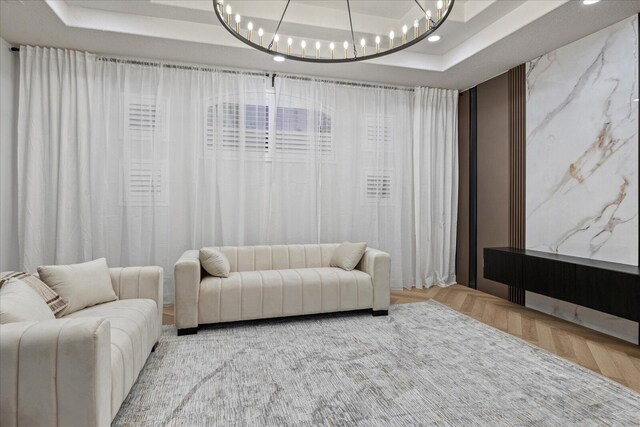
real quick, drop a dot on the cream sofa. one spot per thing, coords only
(78, 369)
(277, 281)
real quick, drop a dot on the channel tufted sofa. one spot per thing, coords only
(77, 370)
(277, 281)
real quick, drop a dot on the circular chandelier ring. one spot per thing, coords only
(237, 32)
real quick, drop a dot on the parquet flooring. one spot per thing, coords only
(608, 356)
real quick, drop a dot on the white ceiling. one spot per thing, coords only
(482, 38)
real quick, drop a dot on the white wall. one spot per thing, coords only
(582, 159)
(8, 135)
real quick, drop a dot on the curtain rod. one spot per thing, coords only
(176, 66)
(250, 73)
(345, 83)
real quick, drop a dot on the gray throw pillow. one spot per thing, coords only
(214, 262)
(348, 255)
(80, 285)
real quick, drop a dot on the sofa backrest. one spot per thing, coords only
(277, 257)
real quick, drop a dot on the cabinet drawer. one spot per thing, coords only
(608, 291)
(549, 277)
(503, 267)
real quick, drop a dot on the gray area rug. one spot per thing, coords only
(424, 364)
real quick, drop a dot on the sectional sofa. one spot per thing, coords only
(277, 281)
(77, 370)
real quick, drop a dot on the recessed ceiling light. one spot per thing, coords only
(434, 38)
(278, 58)
(588, 2)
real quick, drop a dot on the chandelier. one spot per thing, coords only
(296, 48)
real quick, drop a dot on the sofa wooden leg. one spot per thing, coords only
(187, 331)
(380, 312)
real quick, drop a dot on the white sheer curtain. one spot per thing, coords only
(138, 162)
(435, 159)
(357, 174)
(55, 156)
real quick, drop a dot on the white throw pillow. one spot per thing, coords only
(348, 255)
(214, 262)
(80, 285)
(20, 303)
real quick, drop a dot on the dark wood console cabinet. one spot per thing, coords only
(604, 286)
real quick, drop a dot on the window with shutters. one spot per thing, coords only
(301, 132)
(235, 128)
(145, 183)
(378, 132)
(294, 133)
(377, 187)
(146, 118)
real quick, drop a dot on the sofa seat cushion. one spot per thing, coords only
(134, 331)
(275, 293)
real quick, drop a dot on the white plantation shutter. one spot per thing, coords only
(235, 127)
(145, 183)
(300, 131)
(378, 187)
(378, 131)
(146, 118)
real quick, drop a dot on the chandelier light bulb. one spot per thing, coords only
(289, 43)
(228, 10)
(439, 6)
(346, 48)
(377, 44)
(303, 45)
(404, 29)
(416, 29)
(250, 30)
(276, 39)
(317, 45)
(332, 47)
(363, 44)
(428, 17)
(238, 18)
(260, 34)
(404, 34)
(391, 37)
(317, 50)
(238, 23)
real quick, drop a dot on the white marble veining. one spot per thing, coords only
(582, 147)
(582, 158)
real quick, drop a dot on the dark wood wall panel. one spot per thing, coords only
(517, 165)
(462, 244)
(492, 178)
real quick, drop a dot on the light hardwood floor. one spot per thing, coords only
(608, 356)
